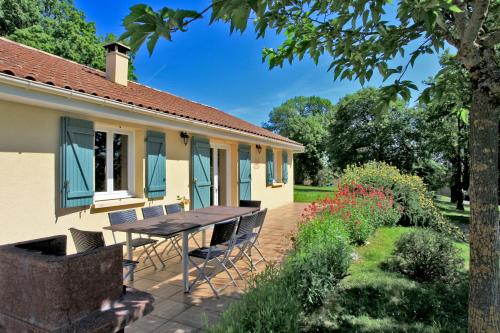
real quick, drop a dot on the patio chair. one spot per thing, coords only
(250, 203)
(154, 211)
(244, 238)
(178, 208)
(174, 208)
(129, 216)
(221, 246)
(254, 240)
(91, 240)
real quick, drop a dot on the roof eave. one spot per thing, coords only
(100, 101)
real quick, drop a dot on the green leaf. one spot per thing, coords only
(464, 115)
(152, 42)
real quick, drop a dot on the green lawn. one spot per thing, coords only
(448, 209)
(373, 300)
(304, 193)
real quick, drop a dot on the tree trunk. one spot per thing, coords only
(460, 183)
(460, 200)
(484, 307)
(456, 179)
(466, 177)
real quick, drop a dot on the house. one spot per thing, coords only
(77, 143)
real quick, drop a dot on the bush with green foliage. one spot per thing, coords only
(391, 304)
(319, 261)
(279, 298)
(326, 176)
(268, 306)
(410, 192)
(426, 256)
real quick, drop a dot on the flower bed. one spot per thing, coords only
(281, 298)
(360, 209)
(410, 193)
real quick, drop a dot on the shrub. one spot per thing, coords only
(321, 258)
(386, 304)
(326, 177)
(409, 191)
(359, 226)
(268, 306)
(360, 209)
(278, 298)
(425, 256)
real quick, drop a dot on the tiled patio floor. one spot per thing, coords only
(178, 312)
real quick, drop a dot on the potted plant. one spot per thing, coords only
(184, 202)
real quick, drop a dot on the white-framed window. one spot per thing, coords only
(113, 163)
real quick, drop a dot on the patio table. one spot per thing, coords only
(183, 222)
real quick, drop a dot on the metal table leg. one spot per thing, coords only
(185, 260)
(130, 254)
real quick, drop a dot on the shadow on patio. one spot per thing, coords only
(178, 312)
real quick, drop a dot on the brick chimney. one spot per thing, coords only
(117, 62)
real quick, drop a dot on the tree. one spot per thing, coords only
(447, 100)
(17, 15)
(304, 119)
(360, 36)
(57, 27)
(359, 133)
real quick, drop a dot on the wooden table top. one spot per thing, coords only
(167, 225)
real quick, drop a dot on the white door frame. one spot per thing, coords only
(227, 148)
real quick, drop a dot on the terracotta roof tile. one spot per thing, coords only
(26, 62)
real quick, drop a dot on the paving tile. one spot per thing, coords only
(186, 298)
(146, 324)
(160, 276)
(141, 284)
(215, 304)
(175, 327)
(176, 311)
(168, 309)
(196, 316)
(164, 290)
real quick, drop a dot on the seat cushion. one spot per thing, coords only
(203, 252)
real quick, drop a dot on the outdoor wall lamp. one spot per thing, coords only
(259, 148)
(185, 138)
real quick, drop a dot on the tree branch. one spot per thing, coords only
(475, 22)
(409, 61)
(200, 14)
(460, 18)
(492, 38)
(448, 36)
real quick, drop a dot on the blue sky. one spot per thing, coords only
(210, 66)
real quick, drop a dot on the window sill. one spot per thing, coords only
(276, 185)
(118, 202)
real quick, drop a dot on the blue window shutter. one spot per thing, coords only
(76, 162)
(245, 172)
(155, 165)
(284, 168)
(201, 178)
(269, 166)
